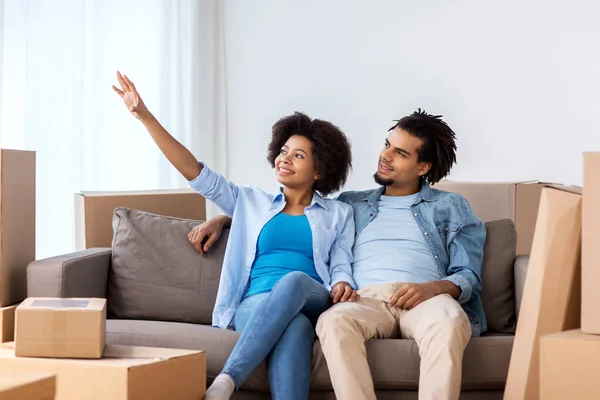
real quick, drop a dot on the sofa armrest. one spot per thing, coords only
(521, 265)
(80, 274)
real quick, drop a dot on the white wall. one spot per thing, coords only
(518, 81)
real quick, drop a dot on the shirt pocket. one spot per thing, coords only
(447, 225)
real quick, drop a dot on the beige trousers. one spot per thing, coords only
(439, 326)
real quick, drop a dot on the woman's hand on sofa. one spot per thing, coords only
(203, 236)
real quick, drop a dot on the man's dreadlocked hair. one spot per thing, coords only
(439, 147)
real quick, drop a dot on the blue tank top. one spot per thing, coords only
(284, 245)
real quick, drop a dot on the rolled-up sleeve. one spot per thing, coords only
(214, 187)
(340, 255)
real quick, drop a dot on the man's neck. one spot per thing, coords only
(402, 191)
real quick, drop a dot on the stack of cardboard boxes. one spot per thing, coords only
(551, 296)
(556, 352)
(67, 339)
(570, 360)
(55, 348)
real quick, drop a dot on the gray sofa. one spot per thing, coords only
(161, 292)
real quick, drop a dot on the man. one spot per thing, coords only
(418, 256)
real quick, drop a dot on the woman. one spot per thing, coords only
(288, 254)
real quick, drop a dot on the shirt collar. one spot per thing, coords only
(316, 199)
(425, 194)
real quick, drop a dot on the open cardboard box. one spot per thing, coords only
(27, 386)
(94, 211)
(518, 201)
(123, 373)
(552, 292)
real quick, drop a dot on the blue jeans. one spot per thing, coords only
(279, 326)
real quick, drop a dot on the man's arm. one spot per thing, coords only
(466, 256)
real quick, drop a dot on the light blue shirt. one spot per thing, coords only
(250, 208)
(453, 233)
(392, 247)
(284, 245)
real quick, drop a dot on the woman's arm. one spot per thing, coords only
(177, 154)
(210, 184)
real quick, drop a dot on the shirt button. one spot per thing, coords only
(425, 233)
(317, 251)
(435, 257)
(370, 215)
(416, 214)
(446, 228)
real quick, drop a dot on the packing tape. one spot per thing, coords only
(59, 325)
(59, 332)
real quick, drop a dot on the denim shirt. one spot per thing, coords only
(250, 208)
(454, 236)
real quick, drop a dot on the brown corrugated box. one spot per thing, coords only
(491, 201)
(569, 365)
(27, 386)
(94, 211)
(590, 268)
(64, 328)
(552, 293)
(17, 222)
(7, 323)
(123, 373)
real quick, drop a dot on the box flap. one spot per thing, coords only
(570, 189)
(116, 351)
(89, 193)
(62, 304)
(113, 356)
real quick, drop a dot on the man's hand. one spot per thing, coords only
(411, 295)
(342, 291)
(203, 236)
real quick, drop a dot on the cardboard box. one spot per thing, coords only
(17, 223)
(64, 328)
(27, 386)
(569, 365)
(94, 211)
(7, 323)
(518, 201)
(590, 268)
(552, 293)
(123, 373)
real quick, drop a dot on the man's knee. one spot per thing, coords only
(335, 319)
(451, 328)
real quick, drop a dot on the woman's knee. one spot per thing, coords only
(301, 325)
(295, 280)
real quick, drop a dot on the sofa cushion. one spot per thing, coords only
(394, 363)
(498, 294)
(156, 274)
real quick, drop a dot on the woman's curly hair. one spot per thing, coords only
(331, 149)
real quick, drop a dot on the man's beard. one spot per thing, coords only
(382, 181)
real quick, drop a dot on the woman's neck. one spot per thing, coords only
(298, 197)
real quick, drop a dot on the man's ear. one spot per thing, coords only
(424, 168)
